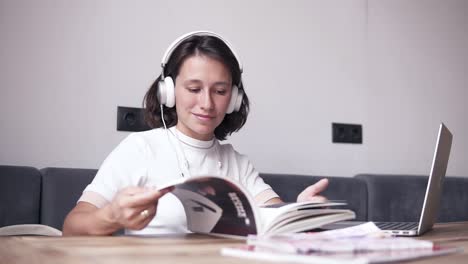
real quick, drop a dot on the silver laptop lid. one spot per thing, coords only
(436, 180)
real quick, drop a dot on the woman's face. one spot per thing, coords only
(202, 91)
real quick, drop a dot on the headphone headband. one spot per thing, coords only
(166, 87)
(176, 43)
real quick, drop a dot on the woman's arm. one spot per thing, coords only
(275, 200)
(87, 219)
(132, 208)
(310, 193)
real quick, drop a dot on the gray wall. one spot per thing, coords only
(397, 67)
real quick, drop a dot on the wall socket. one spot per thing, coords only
(131, 119)
(346, 133)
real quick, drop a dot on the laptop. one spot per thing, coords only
(432, 198)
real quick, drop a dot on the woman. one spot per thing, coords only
(197, 101)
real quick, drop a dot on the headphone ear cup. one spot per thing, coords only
(166, 94)
(232, 102)
(240, 97)
(170, 92)
(161, 92)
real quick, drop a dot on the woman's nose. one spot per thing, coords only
(206, 100)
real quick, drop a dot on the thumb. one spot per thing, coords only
(149, 196)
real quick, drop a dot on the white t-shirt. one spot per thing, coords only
(154, 157)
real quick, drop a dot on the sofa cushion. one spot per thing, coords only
(401, 197)
(394, 197)
(61, 188)
(352, 190)
(20, 191)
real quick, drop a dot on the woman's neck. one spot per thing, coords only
(187, 132)
(190, 141)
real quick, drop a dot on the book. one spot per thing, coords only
(220, 206)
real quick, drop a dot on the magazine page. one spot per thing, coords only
(274, 210)
(288, 218)
(217, 206)
(279, 216)
(307, 223)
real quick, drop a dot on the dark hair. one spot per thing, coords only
(214, 48)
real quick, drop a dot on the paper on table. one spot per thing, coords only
(364, 237)
(252, 252)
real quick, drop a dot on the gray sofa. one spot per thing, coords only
(32, 196)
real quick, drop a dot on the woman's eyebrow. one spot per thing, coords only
(197, 81)
(223, 83)
(194, 81)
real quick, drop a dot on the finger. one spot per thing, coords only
(317, 199)
(150, 196)
(317, 188)
(142, 218)
(149, 216)
(132, 190)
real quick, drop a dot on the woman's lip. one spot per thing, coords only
(203, 116)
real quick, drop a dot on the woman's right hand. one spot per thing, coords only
(135, 207)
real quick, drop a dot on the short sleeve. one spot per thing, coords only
(250, 178)
(125, 166)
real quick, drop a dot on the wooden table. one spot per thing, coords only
(190, 248)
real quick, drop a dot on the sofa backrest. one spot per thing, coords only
(30, 196)
(20, 195)
(352, 190)
(401, 197)
(61, 188)
(454, 203)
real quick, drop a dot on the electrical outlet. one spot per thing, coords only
(346, 133)
(131, 119)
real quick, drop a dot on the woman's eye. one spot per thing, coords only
(221, 92)
(193, 89)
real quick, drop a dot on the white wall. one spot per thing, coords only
(66, 65)
(418, 76)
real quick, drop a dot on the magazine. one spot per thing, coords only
(29, 230)
(364, 243)
(338, 241)
(356, 257)
(220, 206)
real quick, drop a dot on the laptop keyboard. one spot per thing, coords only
(397, 225)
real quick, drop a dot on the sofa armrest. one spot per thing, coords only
(61, 189)
(20, 194)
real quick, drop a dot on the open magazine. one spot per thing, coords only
(215, 205)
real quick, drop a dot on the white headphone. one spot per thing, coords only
(166, 89)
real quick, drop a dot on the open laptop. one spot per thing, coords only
(432, 198)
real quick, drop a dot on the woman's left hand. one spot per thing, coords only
(311, 193)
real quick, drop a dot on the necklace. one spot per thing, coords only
(186, 163)
(185, 160)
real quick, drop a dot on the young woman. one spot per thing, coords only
(196, 102)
